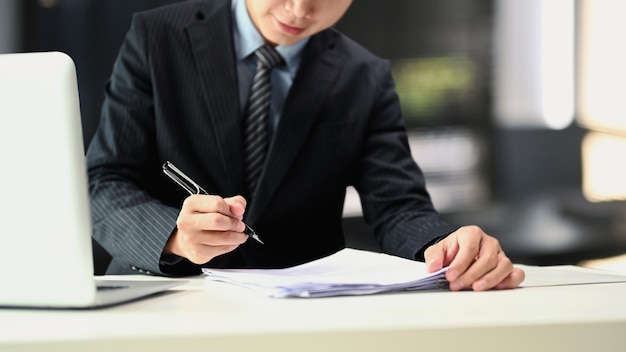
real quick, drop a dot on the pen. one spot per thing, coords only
(193, 188)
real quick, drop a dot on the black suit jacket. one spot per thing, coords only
(173, 95)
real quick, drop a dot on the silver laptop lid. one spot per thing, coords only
(46, 229)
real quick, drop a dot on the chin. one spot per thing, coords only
(286, 40)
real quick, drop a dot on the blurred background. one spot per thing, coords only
(513, 107)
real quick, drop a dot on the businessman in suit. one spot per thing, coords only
(180, 91)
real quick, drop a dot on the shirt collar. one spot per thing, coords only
(248, 38)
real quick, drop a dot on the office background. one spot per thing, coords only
(471, 76)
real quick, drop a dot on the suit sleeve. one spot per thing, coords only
(391, 185)
(124, 173)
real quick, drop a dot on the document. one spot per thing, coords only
(347, 272)
(561, 275)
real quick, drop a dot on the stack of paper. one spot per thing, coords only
(347, 272)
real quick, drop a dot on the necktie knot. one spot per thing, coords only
(268, 57)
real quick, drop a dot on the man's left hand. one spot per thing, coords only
(474, 259)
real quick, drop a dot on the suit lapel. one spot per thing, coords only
(319, 69)
(210, 38)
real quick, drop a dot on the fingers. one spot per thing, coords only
(469, 242)
(201, 203)
(208, 222)
(200, 246)
(439, 256)
(200, 249)
(237, 206)
(475, 260)
(514, 279)
(215, 213)
(434, 258)
(208, 226)
(479, 277)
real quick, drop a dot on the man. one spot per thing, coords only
(179, 92)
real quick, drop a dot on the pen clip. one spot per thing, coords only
(183, 180)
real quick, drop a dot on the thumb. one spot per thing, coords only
(434, 257)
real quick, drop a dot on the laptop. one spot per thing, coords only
(46, 259)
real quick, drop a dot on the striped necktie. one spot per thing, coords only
(255, 123)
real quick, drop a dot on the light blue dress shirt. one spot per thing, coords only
(247, 40)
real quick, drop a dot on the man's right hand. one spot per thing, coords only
(208, 226)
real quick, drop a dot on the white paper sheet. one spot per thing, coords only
(347, 272)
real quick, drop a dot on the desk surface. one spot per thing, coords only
(204, 315)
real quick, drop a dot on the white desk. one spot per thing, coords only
(211, 316)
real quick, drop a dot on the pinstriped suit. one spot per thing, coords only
(173, 95)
